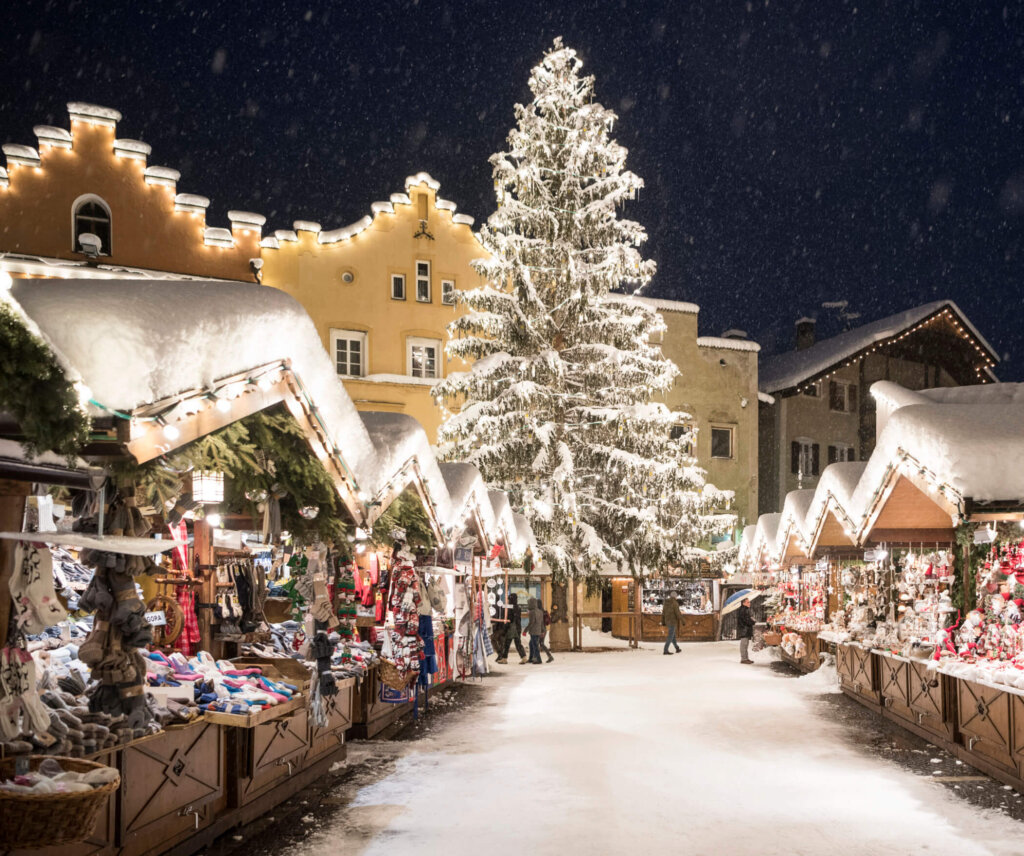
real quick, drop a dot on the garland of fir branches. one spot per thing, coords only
(34, 390)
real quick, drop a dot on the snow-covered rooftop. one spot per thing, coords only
(952, 444)
(727, 344)
(136, 342)
(789, 369)
(658, 303)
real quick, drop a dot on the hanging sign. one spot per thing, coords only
(157, 619)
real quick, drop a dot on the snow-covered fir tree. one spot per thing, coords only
(557, 408)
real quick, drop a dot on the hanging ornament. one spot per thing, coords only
(309, 512)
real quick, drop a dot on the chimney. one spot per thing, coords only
(804, 333)
(733, 333)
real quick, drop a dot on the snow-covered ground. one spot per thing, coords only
(629, 751)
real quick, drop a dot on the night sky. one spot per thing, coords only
(793, 152)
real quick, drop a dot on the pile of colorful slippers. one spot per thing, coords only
(219, 685)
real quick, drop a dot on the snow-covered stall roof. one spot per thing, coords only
(747, 541)
(794, 514)
(524, 538)
(468, 492)
(765, 537)
(953, 445)
(787, 370)
(133, 343)
(403, 455)
(503, 518)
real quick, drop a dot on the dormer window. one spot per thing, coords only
(91, 216)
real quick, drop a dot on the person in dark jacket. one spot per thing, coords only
(535, 627)
(514, 614)
(744, 629)
(672, 618)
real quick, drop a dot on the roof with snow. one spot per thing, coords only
(788, 370)
(942, 453)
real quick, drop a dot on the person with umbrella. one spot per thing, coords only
(744, 629)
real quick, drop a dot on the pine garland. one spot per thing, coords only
(34, 390)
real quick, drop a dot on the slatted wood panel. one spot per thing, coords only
(165, 776)
(985, 722)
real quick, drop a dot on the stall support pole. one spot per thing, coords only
(575, 609)
(12, 512)
(202, 554)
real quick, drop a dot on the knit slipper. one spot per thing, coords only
(93, 650)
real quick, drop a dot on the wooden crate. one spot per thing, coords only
(329, 738)
(172, 784)
(267, 753)
(284, 669)
(985, 722)
(251, 720)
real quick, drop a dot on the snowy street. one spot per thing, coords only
(692, 754)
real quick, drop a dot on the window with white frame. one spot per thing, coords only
(721, 442)
(424, 357)
(842, 397)
(448, 292)
(423, 281)
(91, 216)
(841, 453)
(804, 458)
(348, 348)
(398, 286)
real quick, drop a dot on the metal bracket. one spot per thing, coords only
(971, 742)
(289, 763)
(185, 812)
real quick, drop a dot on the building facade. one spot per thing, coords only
(85, 203)
(816, 408)
(717, 387)
(382, 293)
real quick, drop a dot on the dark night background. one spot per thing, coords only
(793, 153)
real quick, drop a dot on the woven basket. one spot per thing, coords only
(390, 675)
(46, 820)
(772, 638)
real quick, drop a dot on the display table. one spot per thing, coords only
(184, 787)
(981, 724)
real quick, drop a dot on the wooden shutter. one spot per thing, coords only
(794, 457)
(833, 454)
(814, 459)
(851, 454)
(851, 392)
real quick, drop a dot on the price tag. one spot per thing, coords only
(157, 619)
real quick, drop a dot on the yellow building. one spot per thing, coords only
(717, 387)
(381, 293)
(85, 203)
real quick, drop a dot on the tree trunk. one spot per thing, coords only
(559, 630)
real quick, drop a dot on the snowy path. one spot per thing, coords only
(629, 752)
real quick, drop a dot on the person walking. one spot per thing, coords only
(514, 614)
(744, 629)
(672, 618)
(535, 627)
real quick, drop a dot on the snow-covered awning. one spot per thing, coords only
(181, 359)
(468, 496)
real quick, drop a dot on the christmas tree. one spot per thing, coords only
(558, 406)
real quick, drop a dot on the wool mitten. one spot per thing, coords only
(92, 650)
(97, 596)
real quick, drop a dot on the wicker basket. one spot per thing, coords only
(46, 820)
(771, 637)
(390, 675)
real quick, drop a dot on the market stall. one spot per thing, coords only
(698, 602)
(208, 656)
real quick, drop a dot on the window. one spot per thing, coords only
(842, 397)
(804, 460)
(424, 357)
(348, 347)
(448, 292)
(682, 431)
(423, 282)
(721, 442)
(91, 215)
(398, 286)
(814, 390)
(841, 453)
